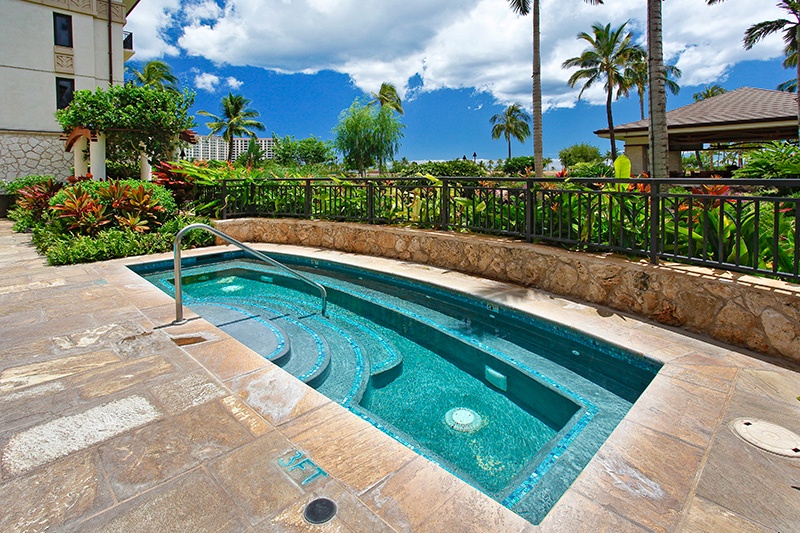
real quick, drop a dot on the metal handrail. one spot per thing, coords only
(258, 255)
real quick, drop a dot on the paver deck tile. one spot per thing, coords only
(219, 440)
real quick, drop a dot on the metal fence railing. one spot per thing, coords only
(734, 224)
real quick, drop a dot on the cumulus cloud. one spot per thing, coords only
(233, 83)
(206, 81)
(481, 45)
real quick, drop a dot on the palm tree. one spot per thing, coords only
(387, 96)
(709, 91)
(524, 7)
(791, 36)
(236, 120)
(636, 74)
(607, 57)
(512, 122)
(657, 95)
(156, 74)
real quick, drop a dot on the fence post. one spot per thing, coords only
(528, 199)
(224, 199)
(307, 199)
(655, 220)
(370, 202)
(444, 208)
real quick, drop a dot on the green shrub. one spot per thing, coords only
(13, 186)
(454, 168)
(523, 165)
(596, 169)
(66, 248)
(579, 153)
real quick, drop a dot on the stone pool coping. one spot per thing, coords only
(672, 464)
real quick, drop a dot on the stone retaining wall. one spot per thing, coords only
(760, 314)
(27, 153)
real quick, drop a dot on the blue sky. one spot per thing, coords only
(302, 62)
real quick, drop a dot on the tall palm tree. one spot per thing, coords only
(236, 120)
(709, 91)
(512, 122)
(155, 74)
(525, 7)
(657, 96)
(387, 96)
(608, 55)
(636, 74)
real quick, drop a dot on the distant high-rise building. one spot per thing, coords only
(216, 148)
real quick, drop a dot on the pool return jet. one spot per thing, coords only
(176, 247)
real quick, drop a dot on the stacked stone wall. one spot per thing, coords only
(755, 313)
(26, 153)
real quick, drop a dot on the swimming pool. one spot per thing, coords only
(511, 404)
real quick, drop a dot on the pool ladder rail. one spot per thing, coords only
(255, 253)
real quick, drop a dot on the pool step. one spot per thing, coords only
(309, 352)
(262, 336)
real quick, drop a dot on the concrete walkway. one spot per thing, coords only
(111, 419)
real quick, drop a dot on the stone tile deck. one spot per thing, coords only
(111, 419)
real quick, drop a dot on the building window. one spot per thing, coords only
(62, 25)
(64, 89)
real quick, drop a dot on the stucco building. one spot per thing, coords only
(48, 50)
(216, 148)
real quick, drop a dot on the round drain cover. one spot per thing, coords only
(463, 419)
(768, 437)
(320, 510)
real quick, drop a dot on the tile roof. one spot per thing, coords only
(738, 106)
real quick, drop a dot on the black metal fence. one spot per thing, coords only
(733, 224)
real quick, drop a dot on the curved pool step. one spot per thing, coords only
(346, 371)
(309, 351)
(260, 335)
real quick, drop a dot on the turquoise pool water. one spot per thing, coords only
(513, 405)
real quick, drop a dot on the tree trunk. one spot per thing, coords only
(508, 140)
(538, 131)
(609, 90)
(797, 89)
(641, 105)
(230, 149)
(659, 142)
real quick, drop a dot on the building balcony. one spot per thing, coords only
(127, 44)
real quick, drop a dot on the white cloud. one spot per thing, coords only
(150, 23)
(481, 45)
(233, 83)
(206, 82)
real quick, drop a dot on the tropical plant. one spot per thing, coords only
(236, 120)
(387, 96)
(636, 74)
(32, 203)
(155, 74)
(774, 160)
(512, 122)
(606, 58)
(577, 153)
(366, 136)
(709, 91)
(525, 7)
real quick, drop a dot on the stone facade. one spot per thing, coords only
(755, 313)
(42, 153)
